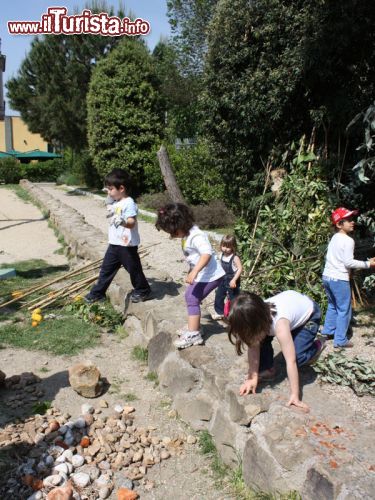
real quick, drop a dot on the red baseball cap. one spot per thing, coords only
(342, 213)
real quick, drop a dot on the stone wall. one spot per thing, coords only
(274, 445)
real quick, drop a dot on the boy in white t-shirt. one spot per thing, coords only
(291, 317)
(336, 279)
(123, 239)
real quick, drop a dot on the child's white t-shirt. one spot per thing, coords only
(340, 258)
(293, 306)
(195, 244)
(123, 236)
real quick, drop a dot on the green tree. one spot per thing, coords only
(189, 20)
(178, 91)
(51, 85)
(277, 68)
(125, 113)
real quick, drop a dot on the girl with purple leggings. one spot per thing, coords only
(205, 272)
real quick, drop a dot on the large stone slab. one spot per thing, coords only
(176, 376)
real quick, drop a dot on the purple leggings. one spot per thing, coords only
(196, 292)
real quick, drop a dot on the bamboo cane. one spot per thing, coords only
(281, 265)
(53, 293)
(41, 287)
(68, 292)
(61, 292)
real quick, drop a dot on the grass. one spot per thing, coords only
(152, 377)
(226, 477)
(140, 354)
(44, 369)
(68, 335)
(129, 396)
(146, 218)
(30, 273)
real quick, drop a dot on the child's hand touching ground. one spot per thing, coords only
(249, 386)
(295, 401)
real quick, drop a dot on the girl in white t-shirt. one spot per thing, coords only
(291, 317)
(336, 279)
(205, 272)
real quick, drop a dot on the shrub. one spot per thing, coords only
(196, 173)
(213, 215)
(154, 201)
(10, 171)
(287, 248)
(47, 171)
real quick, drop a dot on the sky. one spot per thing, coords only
(15, 47)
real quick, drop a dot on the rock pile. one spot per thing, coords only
(93, 453)
(24, 389)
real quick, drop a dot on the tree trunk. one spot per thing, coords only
(169, 177)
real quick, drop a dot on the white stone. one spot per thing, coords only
(36, 496)
(102, 481)
(78, 460)
(81, 479)
(86, 408)
(80, 423)
(104, 492)
(52, 481)
(61, 468)
(119, 408)
(66, 456)
(70, 467)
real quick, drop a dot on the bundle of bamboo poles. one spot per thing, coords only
(48, 298)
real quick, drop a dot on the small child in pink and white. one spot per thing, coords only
(205, 272)
(336, 279)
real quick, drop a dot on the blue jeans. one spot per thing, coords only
(339, 310)
(303, 338)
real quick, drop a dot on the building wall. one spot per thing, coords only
(2, 136)
(23, 139)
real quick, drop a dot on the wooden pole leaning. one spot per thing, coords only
(65, 276)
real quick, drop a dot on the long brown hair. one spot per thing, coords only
(250, 320)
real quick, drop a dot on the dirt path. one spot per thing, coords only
(182, 476)
(21, 227)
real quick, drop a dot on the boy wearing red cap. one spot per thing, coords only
(339, 261)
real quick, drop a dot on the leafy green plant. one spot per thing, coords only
(356, 373)
(41, 407)
(286, 247)
(101, 314)
(10, 171)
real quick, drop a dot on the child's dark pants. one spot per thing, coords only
(115, 257)
(303, 338)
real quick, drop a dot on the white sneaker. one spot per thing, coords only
(217, 317)
(185, 329)
(188, 339)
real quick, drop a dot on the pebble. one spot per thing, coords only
(119, 408)
(67, 455)
(164, 454)
(86, 408)
(104, 492)
(81, 479)
(103, 403)
(61, 468)
(128, 409)
(52, 481)
(104, 465)
(49, 460)
(191, 439)
(127, 483)
(80, 423)
(63, 429)
(78, 460)
(103, 480)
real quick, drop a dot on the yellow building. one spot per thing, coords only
(14, 134)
